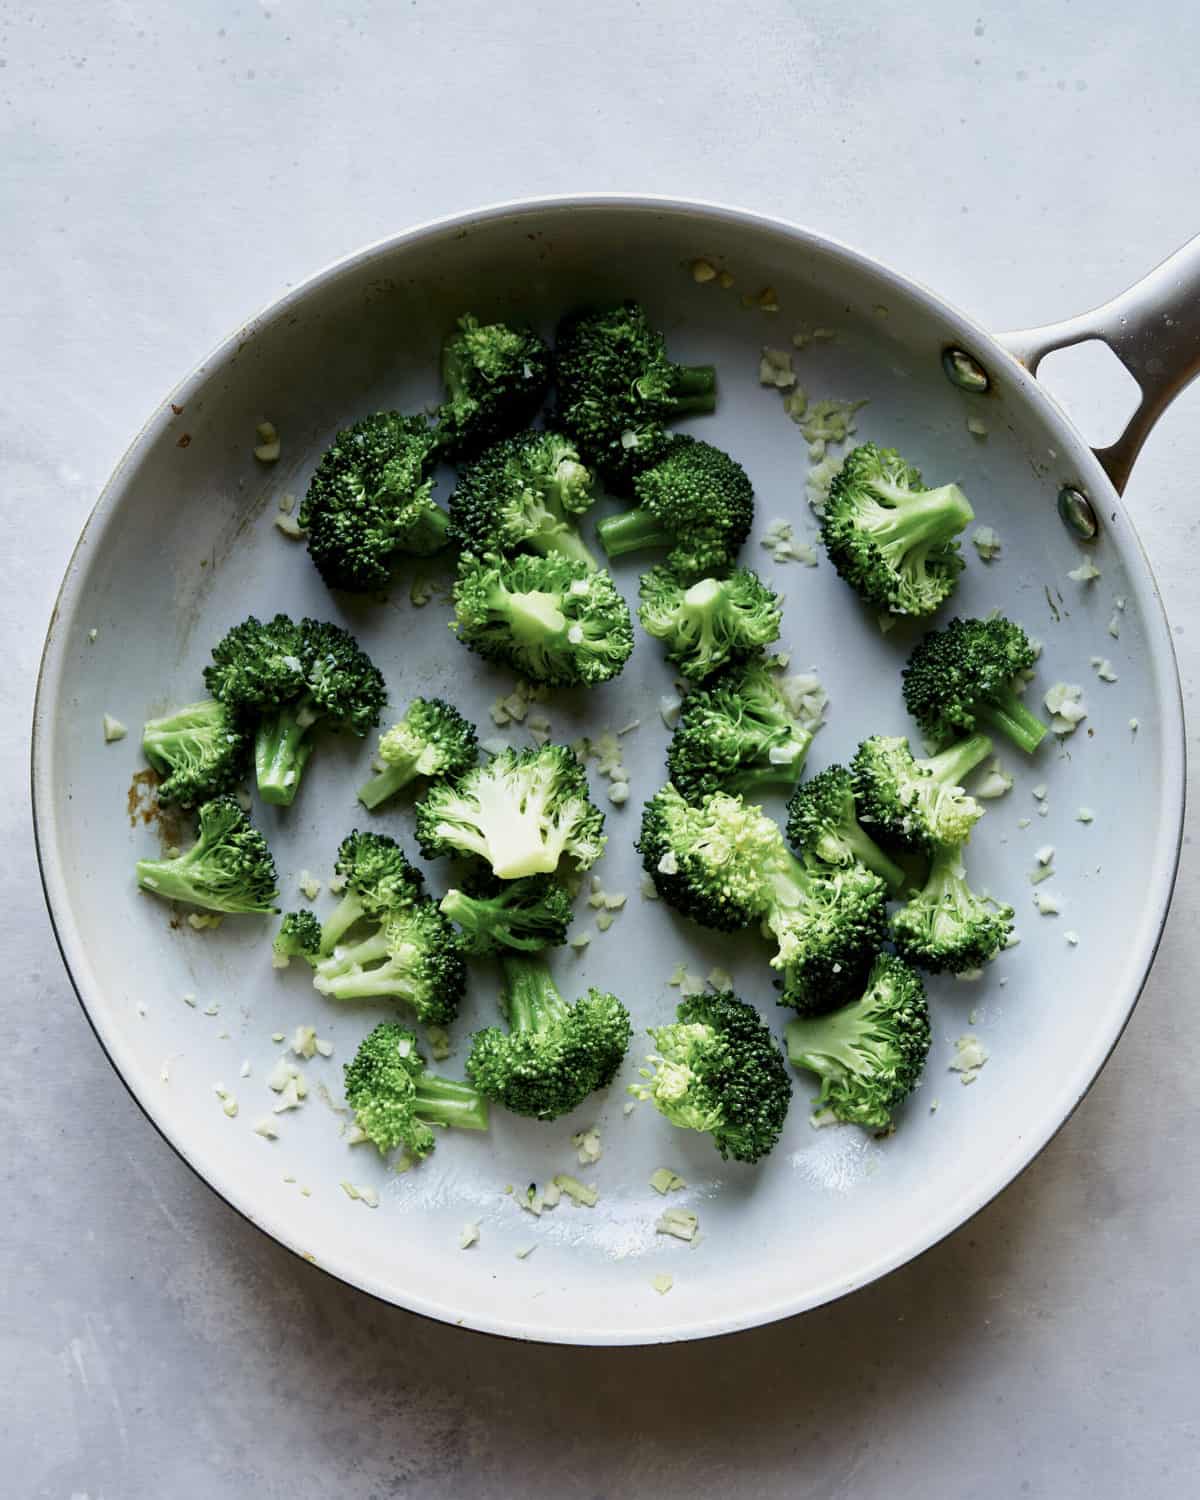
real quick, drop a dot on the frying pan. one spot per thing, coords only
(182, 544)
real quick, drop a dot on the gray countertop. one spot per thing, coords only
(164, 174)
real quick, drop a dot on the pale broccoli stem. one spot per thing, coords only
(1003, 711)
(445, 1101)
(282, 745)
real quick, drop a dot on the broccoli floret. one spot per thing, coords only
(617, 388)
(523, 813)
(918, 803)
(554, 1054)
(704, 857)
(496, 377)
(201, 751)
(288, 677)
(737, 735)
(868, 1055)
(432, 739)
(551, 619)
(371, 498)
(823, 823)
(299, 936)
(396, 1100)
(961, 678)
(718, 1069)
(378, 879)
(712, 623)
(229, 868)
(890, 538)
(493, 914)
(524, 493)
(696, 500)
(412, 955)
(946, 927)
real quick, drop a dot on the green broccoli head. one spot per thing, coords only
(228, 869)
(737, 735)
(554, 1054)
(200, 752)
(523, 813)
(946, 927)
(960, 679)
(551, 619)
(918, 803)
(370, 499)
(299, 936)
(823, 824)
(712, 622)
(492, 915)
(890, 538)
(396, 1100)
(617, 389)
(718, 1069)
(432, 739)
(376, 879)
(524, 493)
(695, 500)
(287, 678)
(869, 1054)
(828, 922)
(411, 955)
(496, 378)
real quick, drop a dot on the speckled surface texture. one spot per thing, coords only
(161, 176)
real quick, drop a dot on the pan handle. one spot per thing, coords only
(1154, 330)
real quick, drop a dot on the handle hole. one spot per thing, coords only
(1098, 392)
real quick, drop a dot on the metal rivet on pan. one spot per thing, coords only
(965, 371)
(1077, 513)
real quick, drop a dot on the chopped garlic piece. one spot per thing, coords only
(994, 782)
(577, 1191)
(1104, 670)
(323, 1047)
(1047, 903)
(1133, 724)
(618, 793)
(469, 1235)
(669, 709)
(1045, 854)
(267, 1128)
(969, 1056)
(702, 271)
(662, 1283)
(1040, 873)
(647, 889)
(1085, 815)
(986, 542)
(1114, 627)
(587, 1146)
(1065, 704)
(367, 1195)
(113, 730)
(1086, 572)
(668, 864)
(720, 979)
(289, 527)
(310, 886)
(1072, 938)
(977, 427)
(680, 1222)
(304, 1041)
(691, 984)
(664, 1181)
(604, 920)
(775, 369)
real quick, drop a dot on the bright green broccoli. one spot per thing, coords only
(290, 677)
(299, 936)
(946, 927)
(396, 1101)
(376, 878)
(200, 751)
(823, 824)
(411, 955)
(696, 500)
(870, 1053)
(228, 869)
(961, 679)
(525, 493)
(554, 1054)
(890, 538)
(918, 803)
(548, 618)
(738, 735)
(432, 739)
(492, 915)
(718, 1069)
(523, 813)
(704, 857)
(617, 389)
(496, 378)
(371, 499)
(712, 622)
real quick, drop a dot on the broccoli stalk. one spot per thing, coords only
(378, 879)
(946, 927)
(228, 869)
(823, 822)
(282, 746)
(412, 956)
(432, 739)
(396, 1100)
(962, 677)
(528, 914)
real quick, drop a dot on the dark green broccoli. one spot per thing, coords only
(200, 751)
(869, 1055)
(738, 735)
(527, 914)
(548, 618)
(554, 1054)
(890, 538)
(617, 389)
(946, 927)
(411, 955)
(961, 678)
(718, 1069)
(496, 378)
(396, 1101)
(823, 823)
(711, 623)
(228, 869)
(522, 813)
(371, 499)
(432, 739)
(288, 678)
(526, 492)
(375, 877)
(918, 803)
(299, 936)
(696, 500)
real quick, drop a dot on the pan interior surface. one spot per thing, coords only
(184, 544)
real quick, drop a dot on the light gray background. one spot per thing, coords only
(164, 171)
